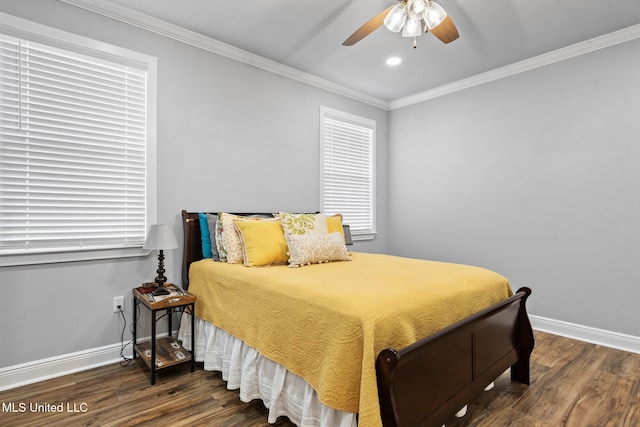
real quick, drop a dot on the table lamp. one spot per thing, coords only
(160, 237)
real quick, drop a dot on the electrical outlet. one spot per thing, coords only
(118, 303)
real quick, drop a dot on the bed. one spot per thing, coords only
(343, 353)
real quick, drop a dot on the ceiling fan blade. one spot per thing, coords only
(446, 31)
(368, 27)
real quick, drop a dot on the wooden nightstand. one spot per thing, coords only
(164, 352)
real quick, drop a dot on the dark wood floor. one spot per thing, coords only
(572, 384)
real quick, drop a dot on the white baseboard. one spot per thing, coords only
(52, 367)
(65, 364)
(40, 370)
(602, 337)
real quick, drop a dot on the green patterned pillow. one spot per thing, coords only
(303, 224)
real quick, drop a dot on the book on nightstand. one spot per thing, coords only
(176, 296)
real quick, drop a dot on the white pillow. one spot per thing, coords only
(305, 249)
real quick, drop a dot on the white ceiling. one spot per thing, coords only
(307, 35)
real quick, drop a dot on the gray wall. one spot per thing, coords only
(230, 137)
(536, 176)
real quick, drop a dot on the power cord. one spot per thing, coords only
(125, 360)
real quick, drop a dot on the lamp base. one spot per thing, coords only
(161, 278)
(160, 290)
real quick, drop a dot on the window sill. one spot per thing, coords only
(363, 236)
(70, 256)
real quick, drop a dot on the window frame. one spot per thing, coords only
(325, 113)
(20, 28)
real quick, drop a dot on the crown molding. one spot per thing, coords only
(138, 19)
(581, 48)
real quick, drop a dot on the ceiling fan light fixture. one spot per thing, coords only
(417, 9)
(435, 15)
(408, 16)
(412, 28)
(440, 23)
(397, 16)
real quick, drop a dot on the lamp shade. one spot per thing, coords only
(160, 236)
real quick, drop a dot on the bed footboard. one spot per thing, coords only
(427, 382)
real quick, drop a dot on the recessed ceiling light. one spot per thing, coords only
(394, 60)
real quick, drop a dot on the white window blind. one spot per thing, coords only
(347, 169)
(72, 150)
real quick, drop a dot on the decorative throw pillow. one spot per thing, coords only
(316, 249)
(212, 220)
(205, 236)
(303, 223)
(263, 242)
(334, 224)
(231, 243)
(219, 239)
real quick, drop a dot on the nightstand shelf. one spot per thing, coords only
(163, 352)
(169, 352)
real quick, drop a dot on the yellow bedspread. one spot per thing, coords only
(327, 323)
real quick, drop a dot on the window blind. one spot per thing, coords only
(347, 184)
(72, 150)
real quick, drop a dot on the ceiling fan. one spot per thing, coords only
(408, 16)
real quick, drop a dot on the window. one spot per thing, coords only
(75, 174)
(347, 182)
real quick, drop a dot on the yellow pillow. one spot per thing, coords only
(226, 233)
(334, 224)
(263, 242)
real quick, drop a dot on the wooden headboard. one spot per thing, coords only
(193, 243)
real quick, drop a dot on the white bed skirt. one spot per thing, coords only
(257, 377)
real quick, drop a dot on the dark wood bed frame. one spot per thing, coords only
(426, 383)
